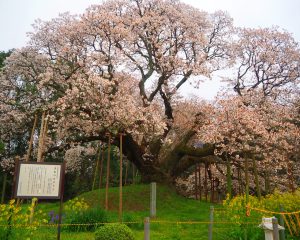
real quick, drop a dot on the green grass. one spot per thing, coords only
(170, 207)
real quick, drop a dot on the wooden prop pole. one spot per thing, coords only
(196, 183)
(40, 146)
(247, 178)
(121, 179)
(107, 173)
(61, 201)
(96, 168)
(200, 183)
(31, 138)
(205, 182)
(45, 130)
(126, 172)
(101, 167)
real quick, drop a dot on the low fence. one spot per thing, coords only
(289, 219)
(217, 228)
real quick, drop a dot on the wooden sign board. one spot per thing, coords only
(41, 180)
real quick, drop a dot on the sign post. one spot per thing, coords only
(41, 180)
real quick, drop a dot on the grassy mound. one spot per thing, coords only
(171, 208)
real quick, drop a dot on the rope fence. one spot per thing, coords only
(290, 219)
(272, 212)
(217, 227)
(134, 222)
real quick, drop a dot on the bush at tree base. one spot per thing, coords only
(115, 231)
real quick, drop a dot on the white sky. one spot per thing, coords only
(17, 16)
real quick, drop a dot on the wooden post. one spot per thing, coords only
(31, 139)
(153, 200)
(45, 130)
(126, 172)
(247, 178)
(239, 180)
(96, 168)
(256, 178)
(121, 179)
(133, 170)
(101, 167)
(33, 205)
(196, 183)
(107, 173)
(200, 186)
(211, 185)
(17, 160)
(229, 180)
(275, 228)
(290, 177)
(146, 228)
(281, 222)
(41, 140)
(61, 200)
(3, 188)
(211, 222)
(267, 180)
(247, 193)
(205, 182)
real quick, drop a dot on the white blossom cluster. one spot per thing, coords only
(8, 165)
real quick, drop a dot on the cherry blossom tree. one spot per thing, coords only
(252, 127)
(118, 68)
(267, 59)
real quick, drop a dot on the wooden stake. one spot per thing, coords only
(126, 172)
(96, 168)
(211, 185)
(3, 187)
(256, 178)
(239, 180)
(31, 138)
(267, 179)
(107, 173)
(290, 176)
(101, 168)
(17, 160)
(196, 183)
(121, 179)
(44, 137)
(133, 170)
(205, 182)
(229, 179)
(200, 187)
(43, 133)
(39, 153)
(247, 178)
(61, 200)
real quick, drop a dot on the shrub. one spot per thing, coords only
(93, 217)
(114, 231)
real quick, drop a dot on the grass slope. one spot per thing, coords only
(170, 207)
(136, 204)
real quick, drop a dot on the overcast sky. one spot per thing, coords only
(17, 16)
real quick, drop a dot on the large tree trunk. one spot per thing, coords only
(152, 165)
(173, 164)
